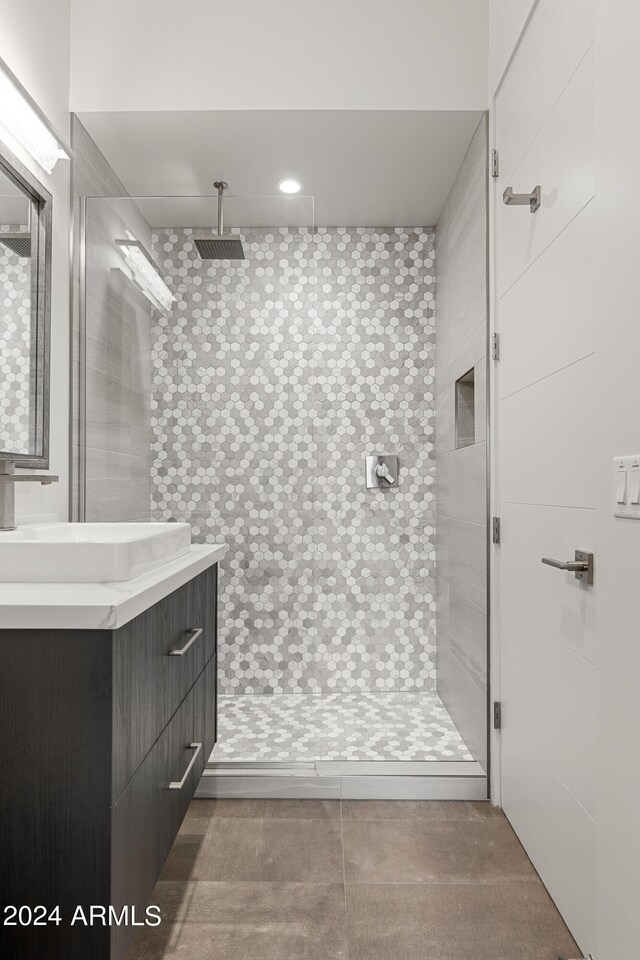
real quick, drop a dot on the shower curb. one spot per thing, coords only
(346, 780)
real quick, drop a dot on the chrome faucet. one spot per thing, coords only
(8, 479)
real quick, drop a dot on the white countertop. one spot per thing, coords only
(99, 606)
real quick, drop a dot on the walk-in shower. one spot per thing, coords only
(248, 408)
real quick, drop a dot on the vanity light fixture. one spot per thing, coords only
(145, 273)
(289, 185)
(25, 121)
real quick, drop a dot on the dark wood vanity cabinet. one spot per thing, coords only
(105, 735)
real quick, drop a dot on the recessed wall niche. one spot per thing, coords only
(465, 410)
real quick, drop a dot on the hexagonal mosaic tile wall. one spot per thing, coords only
(273, 378)
(15, 334)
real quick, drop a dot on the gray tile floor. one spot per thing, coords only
(350, 880)
(352, 726)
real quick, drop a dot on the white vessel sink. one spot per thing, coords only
(89, 552)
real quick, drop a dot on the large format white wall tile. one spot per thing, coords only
(480, 400)
(465, 701)
(553, 45)
(556, 831)
(470, 344)
(547, 439)
(445, 421)
(461, 508)
(461, 484)
(461, 556)
(443, 590)
(468, 195)
(536, 670)
(118, 368)
(117, 485)
(467, 254)
(551, 599)
(561, 161)
(548, 319)
(468, 636)
(117, 345)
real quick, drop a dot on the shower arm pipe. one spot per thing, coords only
(220, 186)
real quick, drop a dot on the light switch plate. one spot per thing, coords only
(626, 481)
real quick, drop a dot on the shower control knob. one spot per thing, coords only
(382, 470)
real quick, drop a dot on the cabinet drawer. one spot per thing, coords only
(183, 762)
(147, 817)
(152, 676)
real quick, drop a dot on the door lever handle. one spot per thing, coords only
(582, 566)
(565, 564)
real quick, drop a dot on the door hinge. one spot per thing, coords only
(497, 715)
(495, 529)
(494, 164)
(495, 346)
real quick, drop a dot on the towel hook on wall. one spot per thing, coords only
(531, 200)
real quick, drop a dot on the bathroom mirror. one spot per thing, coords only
(25, 309)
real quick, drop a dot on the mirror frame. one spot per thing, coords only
(41, 235)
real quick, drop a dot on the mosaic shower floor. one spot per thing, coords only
(354, 726)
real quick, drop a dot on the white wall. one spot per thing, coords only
(281, 54)
(34, 42)
(618, 541)
(461, 473)
(507, 19)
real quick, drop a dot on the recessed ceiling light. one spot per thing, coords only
(289, 185)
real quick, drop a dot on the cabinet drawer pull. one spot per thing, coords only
(179, 784)
(180, 651)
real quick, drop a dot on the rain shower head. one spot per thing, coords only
(218, 246)
(19, 243)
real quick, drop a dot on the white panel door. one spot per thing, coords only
(545, 409)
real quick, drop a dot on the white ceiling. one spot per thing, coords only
(363, 168)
